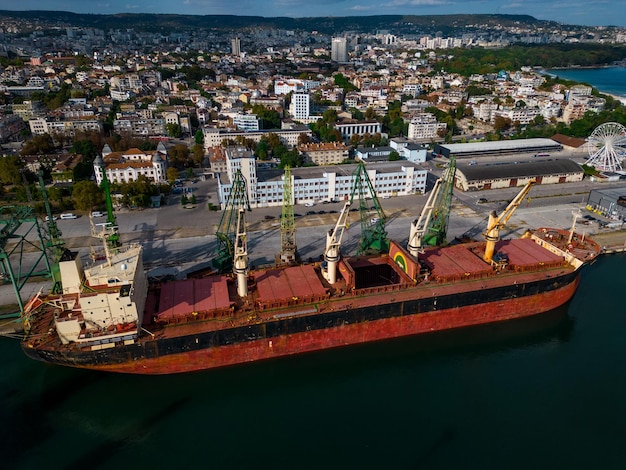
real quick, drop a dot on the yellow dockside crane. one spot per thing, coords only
(492, 235)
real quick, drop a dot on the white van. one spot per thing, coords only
(68, 215)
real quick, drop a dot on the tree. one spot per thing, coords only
(172, 174)
(86, 148)
(173, 130)
(357, 114)
(179, 155)
(394, 156)
(270, 119)
(198, 154)
(273, 141)
(370, 114)
(38, 144)
(342, 81)
(10, 169)
(303, 139)
(199, 137)
(261, 150)
(501, 123)
(291, 158)
(87, 195)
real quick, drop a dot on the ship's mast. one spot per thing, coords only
(333, 244)
(240, 260)
(575, 216)
(492, 235)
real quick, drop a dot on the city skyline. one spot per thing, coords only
(590, 12)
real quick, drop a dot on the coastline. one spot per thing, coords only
(616, 95)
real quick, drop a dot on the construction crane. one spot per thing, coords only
(288, 250)
(373, 234)
(492, 234)
(240, 260)
(53, 235)
(334, 236)
(431, 227)
(110, 230)
(54, 244)
(20, 235)
(227, 229)
(113, 235)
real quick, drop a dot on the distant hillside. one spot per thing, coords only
(166, 23)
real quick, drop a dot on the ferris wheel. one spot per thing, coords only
(607, 147)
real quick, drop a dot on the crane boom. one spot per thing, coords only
(419, 225)
(374, 238)
(432, 225)
(226, 231)
(496, 222)
(288, 248)
(240, 259)
(333, 244)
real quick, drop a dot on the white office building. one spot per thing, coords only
(323, 183)
(300, 106)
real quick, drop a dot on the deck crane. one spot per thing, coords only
(496, 222)
(226, 231)
(110, 229)
(373, 234)
(240, 261)
(432, 225)
(288, 250)
(333, 244)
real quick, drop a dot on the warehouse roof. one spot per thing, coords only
(495, 171)
(501, 146)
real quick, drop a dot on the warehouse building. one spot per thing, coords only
(511, 174)
(609, 202)
(498, 147)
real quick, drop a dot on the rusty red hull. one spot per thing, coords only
(341, 335)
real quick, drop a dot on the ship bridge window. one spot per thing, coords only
(113, 280)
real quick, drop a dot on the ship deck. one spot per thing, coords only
(198, 305)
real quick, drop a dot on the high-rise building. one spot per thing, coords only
(235, 45)
(339, 50)
(300, 106)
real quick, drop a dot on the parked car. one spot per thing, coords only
(54, 217)
(309, 204)
(69, 215)
(97, 214)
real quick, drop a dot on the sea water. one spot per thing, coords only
(611, 80)
(542, 393)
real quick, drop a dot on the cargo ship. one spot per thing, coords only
(109, 317)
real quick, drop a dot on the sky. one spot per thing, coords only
(577, 12)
